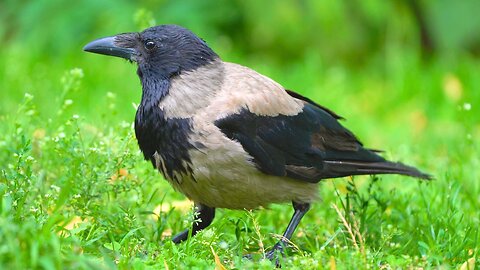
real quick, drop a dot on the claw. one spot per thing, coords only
(275, 254)
(248, 256)
(272, 255)
(277, 251)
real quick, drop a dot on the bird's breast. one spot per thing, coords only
(165, 137)
(222, 174)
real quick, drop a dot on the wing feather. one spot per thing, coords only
(309, 146)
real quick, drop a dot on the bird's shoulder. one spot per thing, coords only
(243, 88)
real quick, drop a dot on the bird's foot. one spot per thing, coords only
(275, 254)
(272, 255)
(248, 256)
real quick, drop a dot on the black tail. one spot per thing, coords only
(345, 168)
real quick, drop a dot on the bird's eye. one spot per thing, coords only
(149, 45)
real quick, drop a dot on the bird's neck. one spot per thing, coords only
(154, 90)
(193, 90)
(163, 140)
(163, 119)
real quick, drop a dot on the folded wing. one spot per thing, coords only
(308, 146)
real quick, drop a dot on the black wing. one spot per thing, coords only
(306, 99)
(309, 146)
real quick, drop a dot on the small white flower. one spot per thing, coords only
(77, 72)
(56, 188)
(467, 106)
(223, 245)
(124, 124)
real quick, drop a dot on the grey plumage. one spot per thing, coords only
(229, 137)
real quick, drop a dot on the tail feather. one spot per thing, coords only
(346, 167)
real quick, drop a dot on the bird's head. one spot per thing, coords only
(163, 51)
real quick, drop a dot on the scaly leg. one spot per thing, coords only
(300, 210)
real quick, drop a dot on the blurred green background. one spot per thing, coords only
(404, 73)
(308, 46)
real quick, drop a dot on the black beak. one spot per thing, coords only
(108, 46)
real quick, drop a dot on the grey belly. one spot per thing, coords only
(225, 177)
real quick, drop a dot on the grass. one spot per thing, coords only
(76, 193)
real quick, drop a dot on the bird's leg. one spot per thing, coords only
(203, 217)
(300, 210)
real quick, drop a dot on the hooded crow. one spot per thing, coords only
(228, 137)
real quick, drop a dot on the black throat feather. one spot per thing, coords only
(181, 51)
(157, 133)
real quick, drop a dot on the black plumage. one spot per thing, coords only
(167, 137)
(227, 136)
(157, 134)
(309, 146)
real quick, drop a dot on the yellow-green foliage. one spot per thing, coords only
(75, 192)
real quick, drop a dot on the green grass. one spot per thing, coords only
(76, 193)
